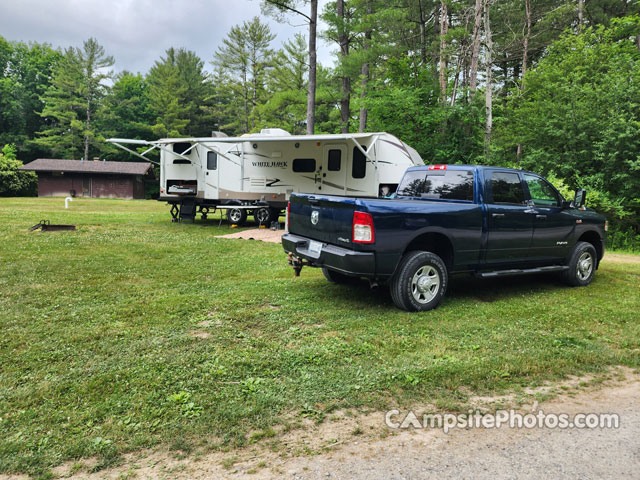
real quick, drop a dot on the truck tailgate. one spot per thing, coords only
(323, 218)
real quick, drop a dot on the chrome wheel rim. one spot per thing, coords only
(425, 284)
(235, 214)
(585, 266)
(262, 215)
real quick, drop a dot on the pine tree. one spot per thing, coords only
(246, 55)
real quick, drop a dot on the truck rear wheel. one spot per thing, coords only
(582, 265)
(420, 282)
(237, 216)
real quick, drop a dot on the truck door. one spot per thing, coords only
(509, 219)
(552, 225)
(333, 170)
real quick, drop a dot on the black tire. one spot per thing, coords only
(337, 277)
(582, 265)
(275, 215)
(263, 216)
(237, 216)
(420, 282)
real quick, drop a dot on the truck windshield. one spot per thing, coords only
(445, 185)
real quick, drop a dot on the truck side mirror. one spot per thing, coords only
(580, 198)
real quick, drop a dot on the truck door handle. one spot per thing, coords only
(541, 217)
(497, 215)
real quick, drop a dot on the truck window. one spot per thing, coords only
(334, 160)
(212, 160)
(450, 185)
(541, 191)
(359, 167)
(304, 165)
(506, 188)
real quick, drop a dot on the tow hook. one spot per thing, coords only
(297, 263)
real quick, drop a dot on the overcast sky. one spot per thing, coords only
(137, 32)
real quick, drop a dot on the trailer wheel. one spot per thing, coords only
(263, 216)
(419, 282)
(237, 216)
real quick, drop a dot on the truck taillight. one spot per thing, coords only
(286, 223)
(437, 167)
(606, 225)
(363, 230)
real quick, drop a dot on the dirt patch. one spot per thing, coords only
(263, 234)
(200, 334)
(347, 441)
(621, 258)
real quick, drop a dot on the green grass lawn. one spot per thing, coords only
(134, 331)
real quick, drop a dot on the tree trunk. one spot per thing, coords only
(475, 49)
(365, 77)
(311, 96)
(580, 14)
(343, 40)
(86, 135)
(444, 26)
(488, 81)
(423, 34)
(525, 54)
(246, 101)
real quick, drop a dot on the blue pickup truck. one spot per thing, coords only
(443, 220)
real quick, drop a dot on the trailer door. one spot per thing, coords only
(333, 170)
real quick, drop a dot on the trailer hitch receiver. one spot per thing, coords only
(297, 263)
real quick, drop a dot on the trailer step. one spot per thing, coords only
(522, 271)
(188, 209)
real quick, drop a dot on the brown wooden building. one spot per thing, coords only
(96, 179)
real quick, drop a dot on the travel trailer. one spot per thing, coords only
(256, 173)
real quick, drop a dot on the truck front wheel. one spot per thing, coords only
(419, 282)
(582, 265)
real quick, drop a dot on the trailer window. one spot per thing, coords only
(359, 167)
(212, 161)
(335, 159)
(181, 147)
(304, 165)
(506, 188)
(449, 185)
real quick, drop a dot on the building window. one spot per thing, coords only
(304, 165)
(212, 161)
(334, 161)
(359, 167)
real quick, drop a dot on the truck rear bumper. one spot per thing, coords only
(343, 260)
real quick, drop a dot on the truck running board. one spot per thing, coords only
(523, 271)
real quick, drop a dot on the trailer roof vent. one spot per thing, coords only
(274, 132)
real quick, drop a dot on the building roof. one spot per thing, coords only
(79, 166)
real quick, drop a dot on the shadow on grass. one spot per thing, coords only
(461, 287)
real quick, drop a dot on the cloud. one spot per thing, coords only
(137, 32)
